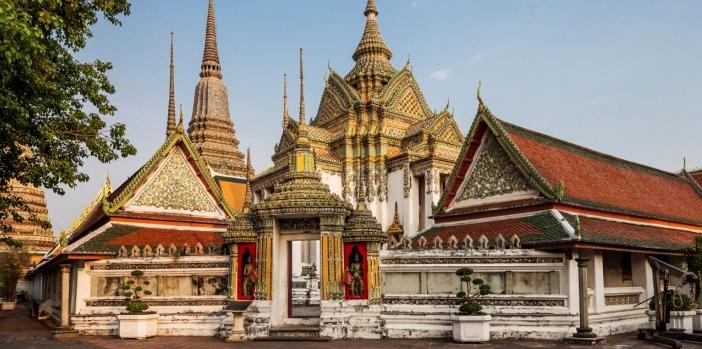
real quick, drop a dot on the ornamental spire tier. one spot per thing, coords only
(211, 129)
(31, 232)
(171, 124)
(373, 68)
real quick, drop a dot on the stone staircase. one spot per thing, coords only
(294, 333)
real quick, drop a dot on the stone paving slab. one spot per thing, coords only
(18, 331)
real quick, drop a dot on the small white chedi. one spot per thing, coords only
(471, 324)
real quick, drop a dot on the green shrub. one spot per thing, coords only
(680, 302)
(132, 289)
(474, 288)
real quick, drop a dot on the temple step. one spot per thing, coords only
(294, 333)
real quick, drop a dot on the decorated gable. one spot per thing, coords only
(493, 177)
(175, 188)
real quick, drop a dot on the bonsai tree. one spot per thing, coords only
(12, 267)
(132, 290)
(693, 259)
(475, 288)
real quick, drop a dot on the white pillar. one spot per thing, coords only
(598, 279)
(641, 274)
(65, 294)
(82, 288)
(569, 284)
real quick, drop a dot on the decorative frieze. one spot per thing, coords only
(406, 179)
(158, 302)
(622, 299)
(474, 260)
(485, 301)
(158, 266)
(310, 224)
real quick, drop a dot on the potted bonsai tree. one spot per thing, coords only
(12, 267)
(136, 322)
(471, 324)
(693, 259)
(681, 312)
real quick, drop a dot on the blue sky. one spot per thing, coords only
(621, 77)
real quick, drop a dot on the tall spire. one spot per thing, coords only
(248, 199)
(302, 90)
(372, 56)
(171, 125)
(211, 129)
(285, 101)
(210, 56)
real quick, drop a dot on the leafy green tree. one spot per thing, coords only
(53, 108)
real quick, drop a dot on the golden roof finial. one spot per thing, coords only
(302, 90)
(171, 125)
(480, 100)
(371, 9)
(180, 128)
(285, 102)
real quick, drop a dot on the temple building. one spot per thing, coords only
(31, 233)
(375, 138)
(358, 228)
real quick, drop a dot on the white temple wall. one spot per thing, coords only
(334, 182)
(535, 293)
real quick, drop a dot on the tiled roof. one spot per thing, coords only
(117, 235)
(618, 233)
(539, 228)
(598, 180)
(697, 176)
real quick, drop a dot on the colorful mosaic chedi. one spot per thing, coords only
(175, 187)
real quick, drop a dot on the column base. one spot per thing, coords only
(63, 333)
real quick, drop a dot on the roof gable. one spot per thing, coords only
(574, 175)
(402, 94)
(175, 180)
(492, 177)
(174, 187)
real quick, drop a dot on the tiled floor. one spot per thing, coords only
(18, 331)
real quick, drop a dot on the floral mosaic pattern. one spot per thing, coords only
(494, 174)
(176, 188)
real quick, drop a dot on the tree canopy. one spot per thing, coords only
(55, 108)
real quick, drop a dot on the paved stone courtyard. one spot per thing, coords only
(18, 331)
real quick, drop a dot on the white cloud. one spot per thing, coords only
(441, 74)
(414, 4)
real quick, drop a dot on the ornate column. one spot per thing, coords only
(331, 256)
(374, 291)
(264, 251)
(233, 271)
(584, 334)
(65, 294)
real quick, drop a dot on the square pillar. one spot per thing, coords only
(65, 294)
(642, 274)
(598, 283)
(569, 284)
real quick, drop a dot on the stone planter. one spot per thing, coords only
(8, 305)
(471, 328)
(697, 321)
(682, 320)
(137, 326)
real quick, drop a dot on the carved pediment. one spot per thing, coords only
(493, 175)
(402, 94)
(175, 187)
(338, 97)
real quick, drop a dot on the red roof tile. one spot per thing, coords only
(602, 181)
(620, 233)
(165, 237)
(697, 176)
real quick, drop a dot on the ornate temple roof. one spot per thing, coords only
(362, 226)
(211, 129)
(543, 229)
(372, 56)
(30, 232)
(242, 228)
(565, 173)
